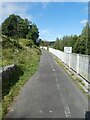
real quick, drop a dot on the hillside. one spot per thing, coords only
(25, 55)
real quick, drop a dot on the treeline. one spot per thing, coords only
(80, 44)
(17, 27)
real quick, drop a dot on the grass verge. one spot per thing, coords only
(27, 58)
(77, 80)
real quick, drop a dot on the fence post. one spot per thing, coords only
(77, 70)
(89, 68)
(69, 60)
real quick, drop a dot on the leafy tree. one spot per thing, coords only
(38, 42)
(15, 26)
(57, 44)
(9, 26)
(41, 43)
(22, 28)
(88, 41)
(82, 44)
(33, 33)
(79, 46)
(86, 36)
(72, 41)
(65, 41)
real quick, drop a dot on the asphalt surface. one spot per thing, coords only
(50, 93)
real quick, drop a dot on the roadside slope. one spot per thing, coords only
(26, 58)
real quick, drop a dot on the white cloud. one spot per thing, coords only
(46, 32)
(13, 8)
(48, 35)
(45, 4)
(83, 22)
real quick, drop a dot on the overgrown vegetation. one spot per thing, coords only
(20, 47)
(78, 81)
(26, 58)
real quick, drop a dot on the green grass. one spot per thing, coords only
(26, 58)
(25, 42)
(72, 74)
(0, 110)
(59, 62)
(77, 80)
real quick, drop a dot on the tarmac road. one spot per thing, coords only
(50, 93)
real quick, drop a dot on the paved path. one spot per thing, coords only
(50, 93)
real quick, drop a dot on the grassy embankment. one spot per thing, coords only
(26, 56)
(73, 75)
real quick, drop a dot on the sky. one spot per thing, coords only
(53, 19)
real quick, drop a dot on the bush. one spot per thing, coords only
(26, 42)
(10, 43)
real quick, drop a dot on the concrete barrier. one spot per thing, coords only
(7, 71)
(10, 75)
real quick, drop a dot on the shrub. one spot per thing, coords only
(26, 42)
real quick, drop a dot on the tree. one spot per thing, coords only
(86, 37)
(72, 41)
(33, 33)
(9, 26)
(88, 41)
(82, 44)
(79, 46)
(38, 41)
(56, 46)
(41, 42)
(68, 41)
(15, 26)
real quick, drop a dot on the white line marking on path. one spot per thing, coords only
(52, 67)
(53, 70)
(67, 111)
(57, 85)
(40, 111)
(56, 79)
(50, 111)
